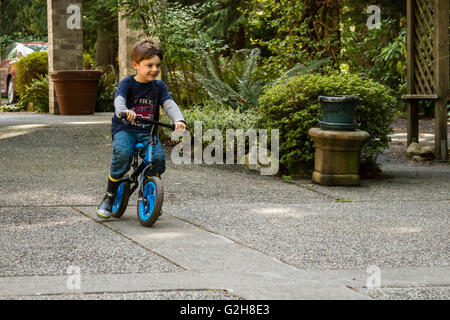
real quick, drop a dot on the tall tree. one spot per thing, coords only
(29, 18)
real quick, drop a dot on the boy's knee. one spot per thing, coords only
(122, 156)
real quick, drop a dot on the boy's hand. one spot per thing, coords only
(180, 126)
(131, 115)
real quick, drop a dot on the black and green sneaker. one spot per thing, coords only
(104, 210)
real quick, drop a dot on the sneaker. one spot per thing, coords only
(104, 210)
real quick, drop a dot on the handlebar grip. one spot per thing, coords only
(123, 115)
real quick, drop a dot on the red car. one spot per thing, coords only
(8, 68)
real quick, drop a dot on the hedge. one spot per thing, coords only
(31, 67)
(293, 108)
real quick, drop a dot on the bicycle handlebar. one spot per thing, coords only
(141, 119)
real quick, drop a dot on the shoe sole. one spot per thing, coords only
(100, 215)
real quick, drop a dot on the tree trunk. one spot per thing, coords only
(324, 26)
(332, 20)
(103, 54)
(163, 8)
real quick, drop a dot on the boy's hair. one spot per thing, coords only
(145, 49)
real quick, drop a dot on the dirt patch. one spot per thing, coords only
(396, 153)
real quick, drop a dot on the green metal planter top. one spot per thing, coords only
(338, 112)
(339, 98)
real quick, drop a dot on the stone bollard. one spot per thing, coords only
(337, 142)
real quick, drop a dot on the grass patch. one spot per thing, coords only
(288, 179)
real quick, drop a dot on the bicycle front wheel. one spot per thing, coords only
(121, 199)
(150, 201)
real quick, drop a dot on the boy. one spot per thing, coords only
(140, 94)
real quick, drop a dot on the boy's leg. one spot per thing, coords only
(123, 146)
(159, 161)
(159, 157)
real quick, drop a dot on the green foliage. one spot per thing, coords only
(297, 31)
(31, 67)
(214, 115)
(100, 16)
(12, 108)
(298, 69)
(233, 81)
(107, 89)
(228, 21)
(7, 39)
(378, 53)
(88, 61)
(27, 18)
(390, 64)
(293, 108)
(288, 179)
(182, 38)
(36, 93)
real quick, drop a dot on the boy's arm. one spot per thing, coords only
(169, 106)
(120, 105)
(120, 101)
(173, 111)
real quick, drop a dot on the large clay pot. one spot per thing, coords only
(76, 90)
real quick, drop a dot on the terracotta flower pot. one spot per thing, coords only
(76, 90)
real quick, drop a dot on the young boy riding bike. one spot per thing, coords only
(143, 95)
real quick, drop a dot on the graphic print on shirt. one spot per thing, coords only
(145, 107)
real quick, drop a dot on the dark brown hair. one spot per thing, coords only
(145, 49)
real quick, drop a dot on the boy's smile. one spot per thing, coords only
(147, 70)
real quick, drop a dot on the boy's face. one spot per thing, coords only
(148, 69)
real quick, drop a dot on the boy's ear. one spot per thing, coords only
(134, 64)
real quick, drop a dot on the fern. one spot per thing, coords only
(233, 82)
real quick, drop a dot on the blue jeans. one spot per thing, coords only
(123, 148)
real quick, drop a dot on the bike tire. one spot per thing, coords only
(121, 199)
(149, 210)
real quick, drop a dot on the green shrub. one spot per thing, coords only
(293, 108)
(214, 116)
(36, 93)
(31, 67)
(107, 87)
(218, 116)
(88, 61)
(15, 107)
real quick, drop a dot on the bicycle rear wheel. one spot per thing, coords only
(150, 201)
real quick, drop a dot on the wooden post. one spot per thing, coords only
(441, 22)
(412, 105)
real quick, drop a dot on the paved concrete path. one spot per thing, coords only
(225, 233)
